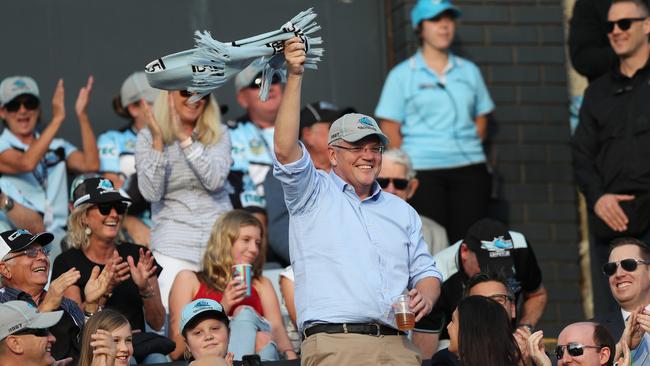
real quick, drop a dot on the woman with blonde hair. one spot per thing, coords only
(107, 340)
(182, 160)
(93, 227)
(256, 322)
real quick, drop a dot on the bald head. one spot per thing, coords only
(598, 344)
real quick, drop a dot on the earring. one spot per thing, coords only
(87, 231)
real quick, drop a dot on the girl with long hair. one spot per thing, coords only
(106, 339)
(256, 325)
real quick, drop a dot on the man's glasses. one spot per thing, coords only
(359, 149)
(257, 83)
(35, 332)
(501, 298)
(629, 265)
(574, 349)
(398, 183)
(29, 102)
(31, 253)
(187, 94)
(623, 24)
(105, 208)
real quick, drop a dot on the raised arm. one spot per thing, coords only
(287, 123)
(13, 161)
(87, 160)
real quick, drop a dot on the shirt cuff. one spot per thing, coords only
(192, 151)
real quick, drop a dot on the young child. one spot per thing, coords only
(107, 336)
(256, 322)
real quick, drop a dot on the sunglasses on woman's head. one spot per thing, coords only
(574, 349)
(105, 208)
(623, 24)
(187, 94)
(30, 103)
(398, 183)
(629, 265)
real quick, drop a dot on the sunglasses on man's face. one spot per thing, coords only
(35, 332)
(623, 24)
(574, 349)
(187, 94)
(398, 183)
(629, 265)
(105, 208)
(257, 83)
(30, 103)
(31, 253)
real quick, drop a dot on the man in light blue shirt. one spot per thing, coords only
(353, 247)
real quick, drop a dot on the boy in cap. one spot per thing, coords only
(25, 338)
(37, 163)
(353, 249)
(491, 248)
(204, 326)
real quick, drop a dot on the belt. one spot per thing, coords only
(372, 329)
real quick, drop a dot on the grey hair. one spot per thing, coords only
(398, 156)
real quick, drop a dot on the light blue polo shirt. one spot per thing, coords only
(117, 151)
(43, 190)
(437, 114)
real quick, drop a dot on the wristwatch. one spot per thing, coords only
(6, 203)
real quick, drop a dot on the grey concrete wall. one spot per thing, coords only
(519, 46)
(110, 39)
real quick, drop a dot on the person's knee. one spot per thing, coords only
(245, 313)
(262, 339)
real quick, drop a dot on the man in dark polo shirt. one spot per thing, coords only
(491, 248)
(25, 270)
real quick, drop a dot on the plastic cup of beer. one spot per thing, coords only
(243, 271)
(404, 317)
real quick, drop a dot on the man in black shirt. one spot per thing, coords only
(611, 145)
(488, 247)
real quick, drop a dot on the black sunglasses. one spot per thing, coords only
(574, 349)
(187, 94)
(257, 83)
(629, 265)
(399, 183)
(623, 24)
(31, 253)
(30, 103)
(35, 332)
(105, 208)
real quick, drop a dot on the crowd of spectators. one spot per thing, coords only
(186, 237)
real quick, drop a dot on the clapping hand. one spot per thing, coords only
(57, 288)
(177, 125)
(536, 349)
(104, 349)
(84, 97)
(99, 284)
(58, 102)
(144, 270)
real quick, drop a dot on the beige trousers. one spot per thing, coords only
(324, 349)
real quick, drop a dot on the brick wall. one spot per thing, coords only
(519, 46)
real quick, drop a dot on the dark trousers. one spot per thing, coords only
(598, 255)
(454, 198)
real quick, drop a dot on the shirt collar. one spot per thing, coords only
(452, 62)
(341, 185)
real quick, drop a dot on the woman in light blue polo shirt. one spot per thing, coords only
(434, 106)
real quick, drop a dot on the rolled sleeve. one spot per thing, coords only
(299, 180)
(422, 264)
